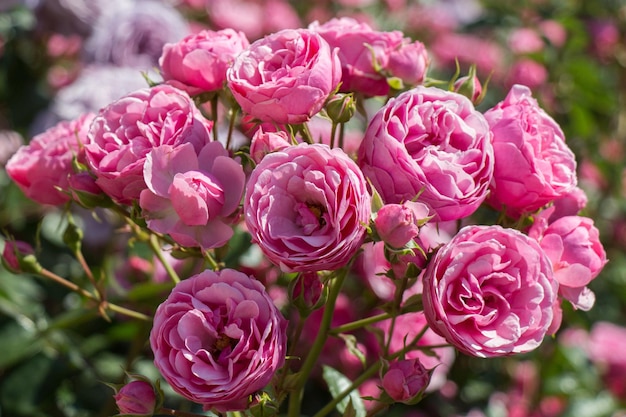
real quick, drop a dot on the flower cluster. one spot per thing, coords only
(245, 141)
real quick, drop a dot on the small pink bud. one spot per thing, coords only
(470, 87)
(398, 224)
(15, 256)
(406, 380)
(307, 292)
(137, 398)
(267, 142)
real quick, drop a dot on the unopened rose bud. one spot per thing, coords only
(398, 224)
(307, 292)
(341, 107)
(18, 257)
(470, 87)
(406, 380)
(137, 398)
(86, 192)
(267, 142)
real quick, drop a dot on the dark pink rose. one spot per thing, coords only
(285, 77)
(430, 142)
(490, 292)
(534, 166)
(573, 245)
(198, 62)
(307, 207)
(191, 197)
(125, 131)
(13, 254)
(137, 398)
(41, 169)
(398, 224)
(368, 57)
(406, 380)
(218, 338)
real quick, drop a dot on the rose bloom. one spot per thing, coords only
(368, 57)
(285, 77)
(218, 338)
(125, 131)
(41, 169)
(189, 196)
(490, 292)
(573, 245)
(198, 62)
(534, 166)
(307, 207)
(433, 142)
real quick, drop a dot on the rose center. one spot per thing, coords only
(311, 217)
(223, 342)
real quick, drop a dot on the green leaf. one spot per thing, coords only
(337, 384)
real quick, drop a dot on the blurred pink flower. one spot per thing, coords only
(191, 196)
(41, 169)
(307, 206)
(490, 292)
(285, 77)
(218, 338)
(432, 143)
(533, 164)
(525, 41)
(125, 131)
(198, 62)
(528, 72)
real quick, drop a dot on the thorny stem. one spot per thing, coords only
(295, 398)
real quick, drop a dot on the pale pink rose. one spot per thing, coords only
(405, 329)
(198, 62)
(137, 398)
(285, 77)
(525, 41)
(41, 169)
(406, 380)
(573, 245)
(534, 166)
(267, 142)
(218, 338)
(398, 224)
(554, 31)
(307, 207)
(430, 142)
(368, 57)
(490, 292)
(125, 131)
(192, 196)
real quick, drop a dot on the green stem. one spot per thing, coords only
(357, 324)
(333, 131)
(342, 131)
(295, 398)
(156, 249)
(214, 102)
(231, 125)
(213, 264)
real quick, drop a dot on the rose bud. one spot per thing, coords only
(406, 380)
(341, 107)
(137, 398)
(398, 224)
(17, 257)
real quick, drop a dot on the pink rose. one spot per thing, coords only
(533, 165)
(606, 344)
(525, 41)
(432, 142)
(43, 166)
(137, 398)
(307, 207)
(573, 245)
(569, 204)
(13, 255)
(368, 57)
(198, 63)
(218, 338)
(490, 292)
(285, 77)
(125, 131)
(527, 72)
(398, 224)
(406, 380)
(189, 196)
(266, 142)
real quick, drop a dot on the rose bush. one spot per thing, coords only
(42, 168)
(307, 207)
(218, 338)
(490, 292)
(125, 131)
(192, 197)
(285, 77)
(534, 166)
(432, 143)
(198, 63)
